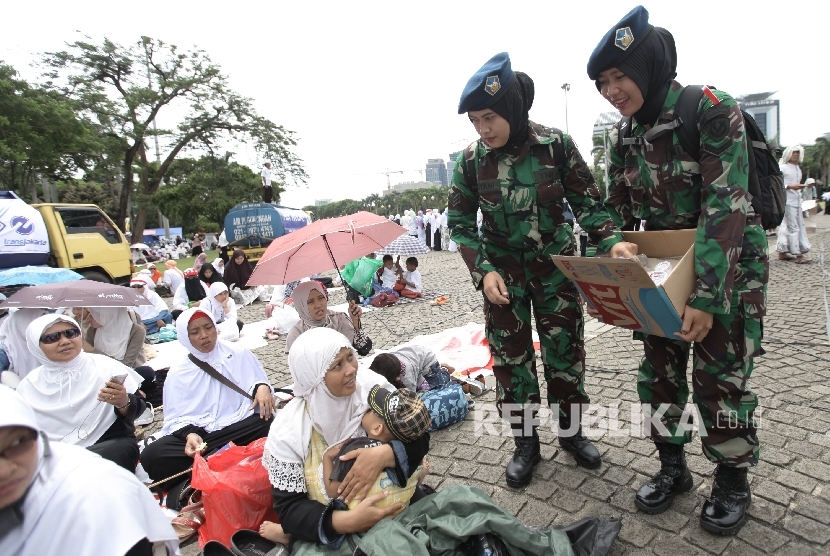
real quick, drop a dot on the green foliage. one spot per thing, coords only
(393, 203)
(87, 192)
(110, 83)
(198, 193)
(817, 161)
(41, 136)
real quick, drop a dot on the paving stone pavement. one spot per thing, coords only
(790, 510)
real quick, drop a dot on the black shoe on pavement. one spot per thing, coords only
(583, 450)
(724, 513)
(674, 477)
(520, 469)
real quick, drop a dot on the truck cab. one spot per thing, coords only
(84, 239)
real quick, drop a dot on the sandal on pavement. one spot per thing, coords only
(216, 548)
(441, 300)
(802, 260)
(250, 543)
(187, 523)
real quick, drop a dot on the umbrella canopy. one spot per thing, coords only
(37, 275)
(139, 246)
(405, 245)
(82, 293)
(323, 245)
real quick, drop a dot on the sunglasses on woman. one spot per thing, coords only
(69, 334)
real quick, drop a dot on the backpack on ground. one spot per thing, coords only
(766, 182)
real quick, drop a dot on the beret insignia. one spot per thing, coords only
(492, 85)
(624, 38)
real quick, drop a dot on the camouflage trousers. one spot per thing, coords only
(721, 368)
(558, 312)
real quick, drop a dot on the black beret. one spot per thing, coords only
(487, 85)
(622, 39)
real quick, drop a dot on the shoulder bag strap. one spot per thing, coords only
(218, 376)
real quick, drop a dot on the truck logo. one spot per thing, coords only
(111, 295)
(22, 225)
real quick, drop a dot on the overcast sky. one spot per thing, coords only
(374, 85)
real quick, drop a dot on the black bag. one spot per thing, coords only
(766, 182)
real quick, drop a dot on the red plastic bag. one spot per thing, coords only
(236, 491)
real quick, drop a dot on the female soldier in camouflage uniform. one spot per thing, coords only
(519, 174)
(656, 180)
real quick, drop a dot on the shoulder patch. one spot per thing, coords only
(717, 128)
(584, 174)
(720, 110)
(454, 198)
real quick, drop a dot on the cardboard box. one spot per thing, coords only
(624, 294)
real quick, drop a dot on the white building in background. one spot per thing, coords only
(765, 111)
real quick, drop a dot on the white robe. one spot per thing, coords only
(192, 397)
(79, 503)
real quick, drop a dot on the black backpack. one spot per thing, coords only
(766, 182)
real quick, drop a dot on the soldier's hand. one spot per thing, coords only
(624, 250)
(495, 289)
(696, 325)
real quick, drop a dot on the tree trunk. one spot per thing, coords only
(126, 190)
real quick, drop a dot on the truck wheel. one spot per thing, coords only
(97, 277)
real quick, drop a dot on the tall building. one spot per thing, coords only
(765, 111)
(436, 171)
(451, 166)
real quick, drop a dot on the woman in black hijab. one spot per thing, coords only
(519, 174)
(238, 270)
(653, 177)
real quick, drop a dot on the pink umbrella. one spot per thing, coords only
(322, 245)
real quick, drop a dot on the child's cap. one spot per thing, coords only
(403, 412)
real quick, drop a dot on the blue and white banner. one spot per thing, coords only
(23, 237)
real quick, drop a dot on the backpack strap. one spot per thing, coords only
(557, 151)
(686, 110)
(623, 132)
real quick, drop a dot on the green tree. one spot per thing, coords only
(198, 193)
(41, 136)
(817, 160)
(88, 192)
(126, 87)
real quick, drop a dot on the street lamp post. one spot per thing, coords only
(566, 87)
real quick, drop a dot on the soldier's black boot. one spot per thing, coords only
(674, 477)
(583, 450)
(724, 513)
(527, 455)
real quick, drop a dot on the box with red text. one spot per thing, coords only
(624, 293)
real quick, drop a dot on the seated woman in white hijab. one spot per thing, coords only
(311, 302)
(116, 332)
(13, 343)
(81, 398)
(198, 408)
(61, 499)
(329, 404)
(153, 316)
(223, 311)
(219, 265)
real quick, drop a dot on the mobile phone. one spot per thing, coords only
(118, 379)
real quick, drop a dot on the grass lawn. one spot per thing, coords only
(183, 264)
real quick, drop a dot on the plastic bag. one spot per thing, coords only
(358, 274)
(167, 334)
(235, 490)
(283, 319)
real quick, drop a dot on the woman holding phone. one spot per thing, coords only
(81, 398)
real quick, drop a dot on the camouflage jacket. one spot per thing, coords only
(521, 202)
(670, 190)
